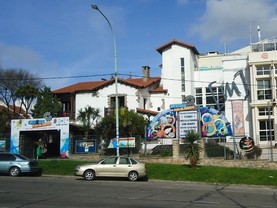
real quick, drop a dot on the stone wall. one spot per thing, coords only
(258, 164)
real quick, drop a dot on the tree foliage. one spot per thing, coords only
(130, 124)
(46, 102)
(12, 81)
(27, 95)
(88, 117)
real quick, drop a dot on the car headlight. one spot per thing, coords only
(77, 168)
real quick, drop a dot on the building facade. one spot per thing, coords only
(241, 85)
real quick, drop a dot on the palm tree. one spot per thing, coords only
(87, 117)
(192, 147)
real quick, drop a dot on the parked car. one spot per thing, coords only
(115, 166)
(16, 164)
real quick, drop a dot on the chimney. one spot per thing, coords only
(146, 73)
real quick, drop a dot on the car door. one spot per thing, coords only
(6, 161)
(107, 167)
(123, 167)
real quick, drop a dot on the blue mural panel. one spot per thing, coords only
(214, 123)
(162, 125)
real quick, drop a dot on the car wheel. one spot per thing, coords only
(133, 176)
(89, 175)
(14, 171)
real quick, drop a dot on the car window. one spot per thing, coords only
(124, 160)
(22, 157)
(133, 161)
(7, 157)
(110, 160)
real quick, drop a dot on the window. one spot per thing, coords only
(263, 69)
(133, 161)
(124, 160)
(198, 96)
(183, 98)
(7, 157)
(183, 78)
(121, 102)
(264, 130)
(109, 161)
(215, 98)
(264, 111)
(144, 103)
(264, 90)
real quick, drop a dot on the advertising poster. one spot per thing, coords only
(129, 142)
(238, 117)
(187, 121)
(85, 146)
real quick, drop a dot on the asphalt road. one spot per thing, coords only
(73, 192)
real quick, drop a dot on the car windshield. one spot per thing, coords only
(22, 157)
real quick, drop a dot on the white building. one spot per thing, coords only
(241, 84)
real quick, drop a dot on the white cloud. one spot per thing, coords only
(229, 20)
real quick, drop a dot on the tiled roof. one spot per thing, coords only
(95, 85)
(147, 112)
(10, 109)
(177, 42)
(158, 90)
(140, 82)
(82, 86)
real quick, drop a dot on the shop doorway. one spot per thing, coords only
(48, 140)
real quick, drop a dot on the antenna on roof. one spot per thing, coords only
(259, 33)
(250, 33)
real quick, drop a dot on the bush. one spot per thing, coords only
(162, 150)
(213, 149)
(255, 153)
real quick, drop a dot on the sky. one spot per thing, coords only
(66, 41)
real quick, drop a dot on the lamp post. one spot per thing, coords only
(94, 6)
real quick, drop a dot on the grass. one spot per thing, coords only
(209, 174)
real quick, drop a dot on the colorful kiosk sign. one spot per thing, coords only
(40, 124)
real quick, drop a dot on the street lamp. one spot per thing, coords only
(94, 6)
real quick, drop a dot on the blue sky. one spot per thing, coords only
(67, 38)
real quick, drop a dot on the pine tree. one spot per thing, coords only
(46, 102)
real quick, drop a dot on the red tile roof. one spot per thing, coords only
(158, 90)
(83, 86)
(147, 112)
(177, 42)
(17, 110)
(140, 82)
(95, 85)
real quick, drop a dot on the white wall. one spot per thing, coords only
(101, 100)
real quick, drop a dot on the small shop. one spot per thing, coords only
(40, 137)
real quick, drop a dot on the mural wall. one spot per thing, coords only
(162, 125)
(213, 124)
(40, 124)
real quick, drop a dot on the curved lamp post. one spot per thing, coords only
(94, 6)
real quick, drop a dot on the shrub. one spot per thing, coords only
(213, 149)
(255, 153)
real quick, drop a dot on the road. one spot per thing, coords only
(72, 192)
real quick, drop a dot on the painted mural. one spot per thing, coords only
(40, 124)
(162, 125)
(214, 123)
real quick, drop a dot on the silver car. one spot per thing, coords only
(115, 166)
(16, 164)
